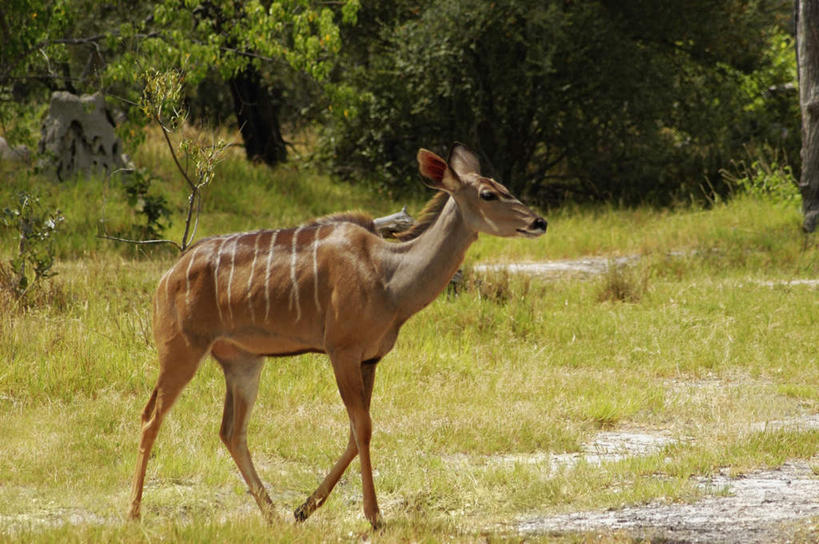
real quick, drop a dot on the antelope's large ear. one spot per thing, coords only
(437, 172)
(463, 161)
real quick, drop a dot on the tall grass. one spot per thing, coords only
(508, 365)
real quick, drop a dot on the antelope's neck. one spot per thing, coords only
(422, 268)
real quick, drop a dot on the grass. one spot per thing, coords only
(690, 342)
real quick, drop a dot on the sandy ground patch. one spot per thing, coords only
(760, 507)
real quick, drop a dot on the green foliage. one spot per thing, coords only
(24, 25)
(84, 46)
(161, 103)
(217, 40)
(229, 35)
(152, 207)
(627, 101)
(36, 229)
(162, 98)
(764, 175)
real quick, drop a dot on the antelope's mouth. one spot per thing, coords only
(535, 229)
(526, 233)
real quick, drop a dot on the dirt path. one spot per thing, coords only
(593, 266)
(553, 269)
(761, 507)
(757, 508)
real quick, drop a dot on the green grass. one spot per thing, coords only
(510, 365)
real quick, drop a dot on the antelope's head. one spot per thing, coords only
(486, 205)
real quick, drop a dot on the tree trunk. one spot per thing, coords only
(807, 58)
(257, 110)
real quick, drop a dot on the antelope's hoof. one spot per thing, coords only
(133, 514)
(377, 521)
(303, 512)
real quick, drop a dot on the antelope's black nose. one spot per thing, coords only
(538, 224)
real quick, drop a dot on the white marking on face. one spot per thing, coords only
(250, 277)
(315, 269)
(294, 289)
(488, 221)
(267, 274)
(188, 276)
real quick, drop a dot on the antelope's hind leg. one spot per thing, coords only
(242, 373)
(178, 362)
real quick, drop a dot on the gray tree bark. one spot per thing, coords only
(807, 58)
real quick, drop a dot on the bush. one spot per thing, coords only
(764, 175)
(36, 228)
(156, 215)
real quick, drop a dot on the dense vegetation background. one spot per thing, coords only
(625, 101)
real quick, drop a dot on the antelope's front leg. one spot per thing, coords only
(355, 381)
(320, 495)
(317, 498)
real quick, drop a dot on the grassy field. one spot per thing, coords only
(700, 338)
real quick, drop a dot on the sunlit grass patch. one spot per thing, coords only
(804, 391)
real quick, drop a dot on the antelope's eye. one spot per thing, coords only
(488, 195)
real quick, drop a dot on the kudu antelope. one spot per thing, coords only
(332, 286)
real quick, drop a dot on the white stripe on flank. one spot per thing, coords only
(294, 289)
(167, 284)
(315, 269)
(216, 276)
(188, 277)
(267, 274)
(250, 278)
(230, 276)
(164, 278)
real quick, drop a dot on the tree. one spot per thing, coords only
(617, 100)
(82, 46)
(247, 43)
(807, 45)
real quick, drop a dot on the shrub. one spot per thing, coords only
(767, 176)
(152, 207)
(36, 228)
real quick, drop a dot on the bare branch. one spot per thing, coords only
(191, 204)
(93, 39)
(173, 154)
(139, 242)
(198, 213)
